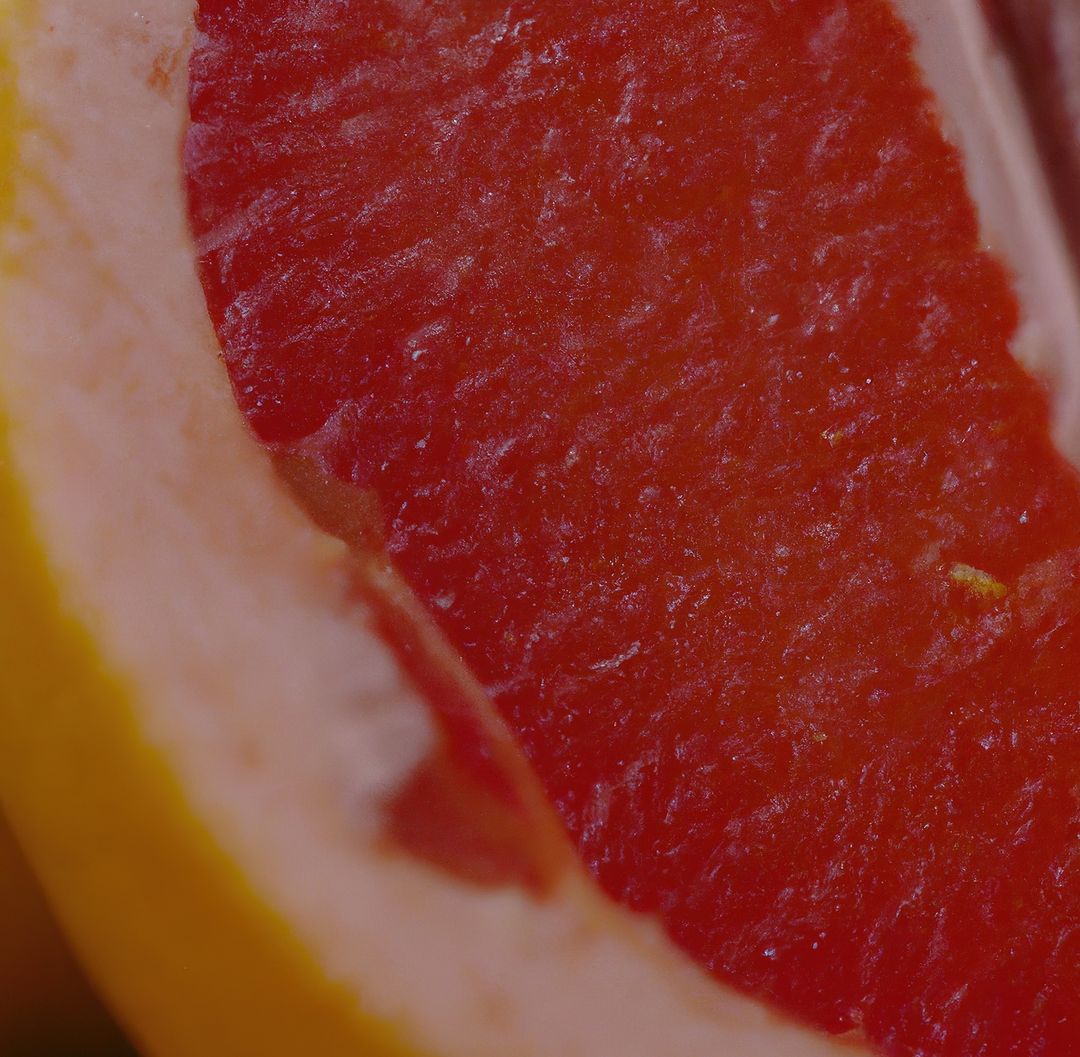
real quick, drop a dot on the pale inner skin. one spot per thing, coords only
(285, 717)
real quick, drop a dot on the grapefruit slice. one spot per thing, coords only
(666, 340)
(202, 728)
(225, 731)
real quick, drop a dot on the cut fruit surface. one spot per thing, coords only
(667, 341)
(224, 735)
(202, 731)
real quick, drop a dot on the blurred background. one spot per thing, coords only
(47, 1009)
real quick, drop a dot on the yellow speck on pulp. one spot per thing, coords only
(981, 584)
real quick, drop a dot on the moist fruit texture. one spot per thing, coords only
(665, 338)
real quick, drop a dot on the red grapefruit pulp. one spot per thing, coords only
(665, 338)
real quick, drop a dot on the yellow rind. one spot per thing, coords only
(194, 962)
(36, 975)
(46, 1006)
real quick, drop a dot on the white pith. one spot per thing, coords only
(284, 715)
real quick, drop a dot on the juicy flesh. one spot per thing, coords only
(662, 333)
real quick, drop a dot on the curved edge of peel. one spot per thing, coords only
(48, 1005)
(127, 866)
